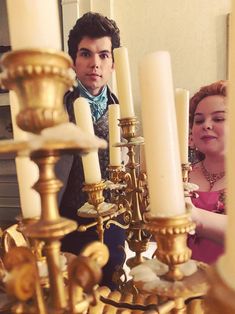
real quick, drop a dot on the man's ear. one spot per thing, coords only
(74, 67)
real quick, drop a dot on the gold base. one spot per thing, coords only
(189, 287)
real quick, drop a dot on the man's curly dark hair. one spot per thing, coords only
(93, 25)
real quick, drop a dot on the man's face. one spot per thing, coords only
(94, 63)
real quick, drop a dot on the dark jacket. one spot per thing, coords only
(73, 197)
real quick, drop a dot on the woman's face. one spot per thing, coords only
(208, 131)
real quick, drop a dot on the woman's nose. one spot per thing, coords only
(208, 125)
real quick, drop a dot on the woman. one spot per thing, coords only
(207, 122)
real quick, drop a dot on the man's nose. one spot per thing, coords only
(95, 62)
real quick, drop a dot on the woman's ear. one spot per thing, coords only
(190, 141)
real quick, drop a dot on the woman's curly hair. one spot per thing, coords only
(217, 88)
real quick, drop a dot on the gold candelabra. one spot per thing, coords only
(27, 72)
(74, 290)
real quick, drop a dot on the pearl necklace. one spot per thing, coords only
(212, 178)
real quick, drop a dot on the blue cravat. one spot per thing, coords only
(98, 104)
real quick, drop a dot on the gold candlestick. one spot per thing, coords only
(28, 72)
(171, 234)
(133, 196)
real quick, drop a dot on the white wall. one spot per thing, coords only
(193, 31)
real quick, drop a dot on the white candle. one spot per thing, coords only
(123, 77)
(227, 261)
(114, 135)
(90, 162)
(27, 170)
(34, 24)
(161, 138)
(182, 114)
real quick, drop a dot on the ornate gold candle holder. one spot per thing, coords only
(95, 198)
(128, 126)
(173, 284)
(171, 235)
(95, 193)
(40, 79)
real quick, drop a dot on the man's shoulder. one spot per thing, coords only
(71, 95)
(112, 98)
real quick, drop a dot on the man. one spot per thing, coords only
(91, 43)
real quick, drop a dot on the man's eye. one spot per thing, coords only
(84, 54)
(104, 55)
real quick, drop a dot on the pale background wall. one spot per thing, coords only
(193, 31)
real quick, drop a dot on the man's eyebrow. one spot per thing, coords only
(88, 50)
(84, 49)
(104, 51)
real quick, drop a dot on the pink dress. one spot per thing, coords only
(204, 249)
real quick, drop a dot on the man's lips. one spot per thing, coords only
(93, 75)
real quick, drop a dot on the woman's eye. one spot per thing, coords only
(198, 121)
(219, 119)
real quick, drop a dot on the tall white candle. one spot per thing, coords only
(114, 135)
(90, 162)
(27, 170)
(227, 261)
(182, 114)
(161, 138)
(123, 77)
(34, 24)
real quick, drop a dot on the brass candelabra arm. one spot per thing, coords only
(23, 281)
(186, 168)
(108, 218)
(24, 284)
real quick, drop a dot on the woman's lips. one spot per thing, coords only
(207, 138)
